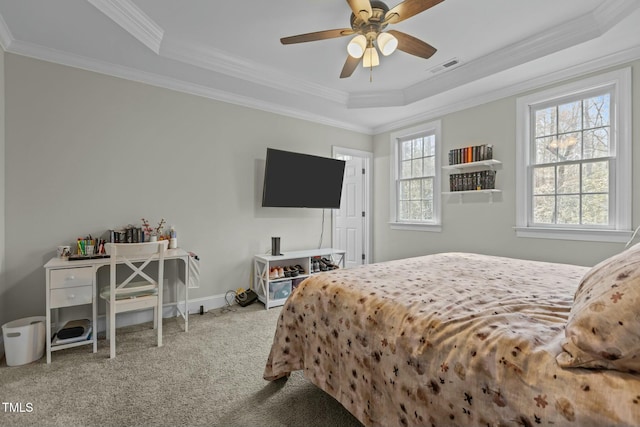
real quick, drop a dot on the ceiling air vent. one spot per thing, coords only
(452, 63)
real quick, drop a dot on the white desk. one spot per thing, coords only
(71, 283)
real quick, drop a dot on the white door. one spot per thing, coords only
(350, 231)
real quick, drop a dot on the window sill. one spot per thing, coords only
(415, 226)
(616, 236)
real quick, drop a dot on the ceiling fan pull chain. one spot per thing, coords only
(371, 66)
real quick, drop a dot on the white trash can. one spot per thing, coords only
(24, 340)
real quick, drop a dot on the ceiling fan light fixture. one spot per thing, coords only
(369, 19)
(357, 46)
(371, 58)
(387, 43)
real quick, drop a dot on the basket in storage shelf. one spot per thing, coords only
(24, 340)
(279, 290)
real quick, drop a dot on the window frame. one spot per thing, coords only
(620, 194)
(435, 225)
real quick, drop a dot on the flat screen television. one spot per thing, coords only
(296, 180)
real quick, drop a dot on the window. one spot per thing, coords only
(573, 160)
(415, 182)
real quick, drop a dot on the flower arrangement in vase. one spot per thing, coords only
(153, 232)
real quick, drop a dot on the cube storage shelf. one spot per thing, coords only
(274, 292)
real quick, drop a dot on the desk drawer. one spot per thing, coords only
(71, 277)
(66, 297)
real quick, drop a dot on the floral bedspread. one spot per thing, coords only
(448, 339)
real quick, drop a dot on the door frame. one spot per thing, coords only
(367, 203)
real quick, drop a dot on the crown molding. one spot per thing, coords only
(225, 63)
(600, 64)
(6, 38)
(579, 30)
(134, 21)
(388, 98)
(610, 12)
(542, 44)
(77, 61)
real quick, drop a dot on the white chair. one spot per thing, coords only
(122, 296)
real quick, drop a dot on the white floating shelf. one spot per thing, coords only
(460, 194)
(472, 191)
(490, 163)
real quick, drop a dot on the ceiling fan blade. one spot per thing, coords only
(361, 9)
(412, 45)
(407, 9)
(318, 35)
(349, 66)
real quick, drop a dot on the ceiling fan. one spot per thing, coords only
(368, 21)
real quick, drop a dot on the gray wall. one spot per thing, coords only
(3, 283)
(87, 152)
(477, 225)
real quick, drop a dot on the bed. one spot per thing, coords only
(470, 340)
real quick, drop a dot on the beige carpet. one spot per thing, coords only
(210, 376)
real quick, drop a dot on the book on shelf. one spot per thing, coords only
(469, 181)
(127, 235)
(476, 153)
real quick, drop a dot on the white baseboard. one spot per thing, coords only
(170, 310)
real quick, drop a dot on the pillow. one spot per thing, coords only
(603, 329)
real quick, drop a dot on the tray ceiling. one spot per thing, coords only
(231, 51)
